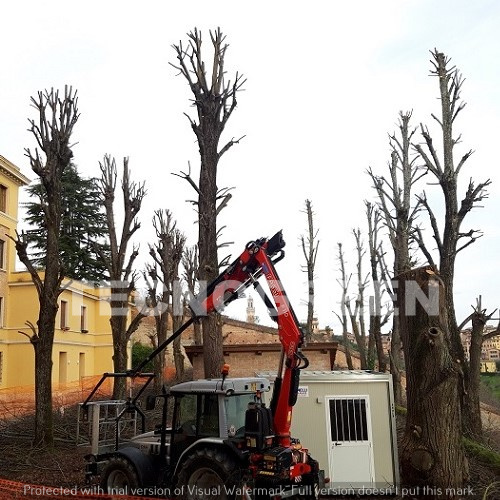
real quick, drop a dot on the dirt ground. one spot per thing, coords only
(64, 466)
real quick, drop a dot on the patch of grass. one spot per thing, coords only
(483, 453)
(492, 382)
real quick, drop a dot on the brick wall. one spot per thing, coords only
(247, 360)
(251, 348)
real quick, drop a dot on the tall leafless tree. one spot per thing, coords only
(119, 262)
(357, 314)
(394, 193)
(190, 275)
(215, 101)
(167, 255)
(344, 285)
(310, 244)
(378, 316)
(53, 128)
(452, 239)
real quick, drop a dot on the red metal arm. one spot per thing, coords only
(243, 272)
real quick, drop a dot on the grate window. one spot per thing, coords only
(348, 419)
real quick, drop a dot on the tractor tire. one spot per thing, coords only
(208, 474)
(312, 483)
(119, 477)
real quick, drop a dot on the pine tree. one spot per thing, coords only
(82, 224)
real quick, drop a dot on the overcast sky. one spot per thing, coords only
(325, 83)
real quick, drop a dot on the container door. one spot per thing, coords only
(350, 451)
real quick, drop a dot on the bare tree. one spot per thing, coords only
(432, 453)
(52, 129)
(310, 245)
(357, 315)
(378, 317)
(344, 285)
(190, 265)
(479, 318)
(215, 101)
(394, 194)
(167, 255)
(453, 239)
(119, 263)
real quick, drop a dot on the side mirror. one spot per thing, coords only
(150, 402)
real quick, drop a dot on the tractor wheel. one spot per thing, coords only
(312, 483)
(119, 477)
(208, 474)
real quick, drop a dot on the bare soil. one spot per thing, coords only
(64, 465)
(61, 467)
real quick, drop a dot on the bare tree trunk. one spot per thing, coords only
(215, 101)
(379, 280)
(119, 268)
(44, 425)
(118, 324)
(432, 451)
(177, 348)
(453, 239)
(344, 284)
(472, 423)
(396, 363)
(310, 250)
(213, 358)
(52, 129)
(167, 255)
(357, 316)
(161, 321)
(394, 193)
(190, 264)
(360, 340)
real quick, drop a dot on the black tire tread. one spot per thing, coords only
(124, 465)
(223, 463)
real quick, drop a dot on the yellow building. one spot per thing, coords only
(488, 367)
(82, 343)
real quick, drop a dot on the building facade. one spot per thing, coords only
(490, 349)
(82, 344)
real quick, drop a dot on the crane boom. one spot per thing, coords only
(257, 260)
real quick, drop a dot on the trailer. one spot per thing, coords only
(348, 420)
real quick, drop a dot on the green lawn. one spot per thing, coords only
(493, 384)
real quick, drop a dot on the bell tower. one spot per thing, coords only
(250, 310)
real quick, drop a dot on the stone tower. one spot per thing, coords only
(250, 310)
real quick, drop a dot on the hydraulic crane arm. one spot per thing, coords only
(255, 261)
(258, 260)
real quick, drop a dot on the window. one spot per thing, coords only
(64, 315)
(1, 312)
(3, 198)
(81, 364)
(83, 319)
(348, 419)
(63, 367)
(236, 407)
(199, 415)
(2, 254)
(209, 418)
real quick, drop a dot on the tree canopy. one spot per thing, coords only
(82, 224)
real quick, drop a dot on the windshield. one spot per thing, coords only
(235, 407)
